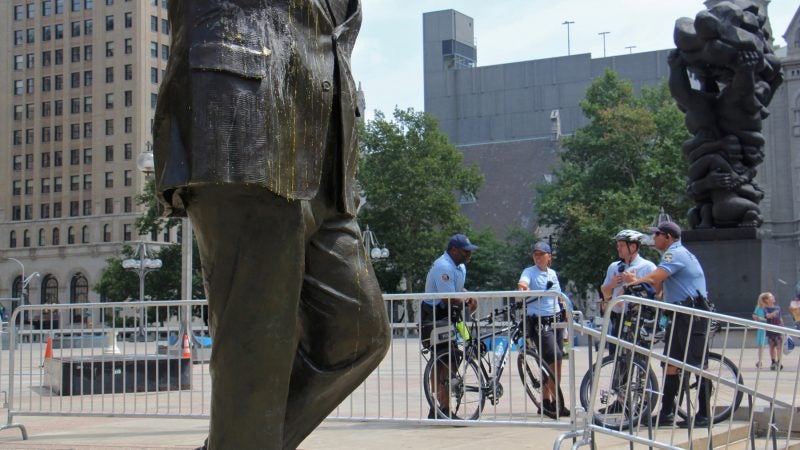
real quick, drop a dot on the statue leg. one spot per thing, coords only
(251, 245)
(344, 331)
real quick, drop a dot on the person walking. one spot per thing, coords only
(681, 277)
(542, 313)
(447, 274)
(772, 313)
(760, 315)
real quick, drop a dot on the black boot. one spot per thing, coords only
(666, 417)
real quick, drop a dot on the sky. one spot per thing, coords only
(387, 59)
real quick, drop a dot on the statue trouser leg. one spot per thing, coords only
(295, 313)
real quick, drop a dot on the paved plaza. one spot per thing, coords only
(405, 431)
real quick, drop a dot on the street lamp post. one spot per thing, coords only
(630, 48)
(604, 33)
(142, 267)
(24, 282)
(374, 250)
(568, 23)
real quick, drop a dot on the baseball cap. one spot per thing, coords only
(670, 228)
(461, 241)
(542, 246)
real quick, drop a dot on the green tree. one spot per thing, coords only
(616, 172)
(411, 176)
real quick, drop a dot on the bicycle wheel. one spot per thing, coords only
(627, 392)
(725, 398)
(535, 373)
(463, 388)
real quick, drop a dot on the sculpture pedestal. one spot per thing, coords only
(732, 259)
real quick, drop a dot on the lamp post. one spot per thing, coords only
(374, 250)
(24, 282)
(604, 33)
(142, 267)
(630, 48)
(568, 23)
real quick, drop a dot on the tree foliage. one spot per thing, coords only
(616, 172)
(411, 175)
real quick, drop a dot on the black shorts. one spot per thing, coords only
(549, 340)
(434, 317)
(683, 333)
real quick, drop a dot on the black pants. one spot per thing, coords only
(295, 312)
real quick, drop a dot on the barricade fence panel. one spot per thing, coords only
(718, 390)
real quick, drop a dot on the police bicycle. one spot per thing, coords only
(628, 387)
(474, 374)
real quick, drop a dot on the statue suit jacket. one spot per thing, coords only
(256, 92)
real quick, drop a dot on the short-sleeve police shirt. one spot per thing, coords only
(686, 277)
(639, 265)
(444, 276)
(536, 280)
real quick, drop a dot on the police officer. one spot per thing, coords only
(628, 244)
(541, 314)
(680, 275)
(447, 274)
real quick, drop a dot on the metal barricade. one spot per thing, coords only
(747, 406)
(100, 359)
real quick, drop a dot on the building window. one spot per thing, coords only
(85, 234)
(31, 10)
(47, 33)
(49, 292)
(16, 187)
(17, 112)
(56, 210)
(127, 204)
(87, 78)
(12, 239)
(88, 4)
(154, 24)
(109, 206)
(57, 159)
(76, 5)
(73, 208)
(17, 137)
(87, 156)
(29, 160)
(59, 30)
(128, 72)
(109, 179)
(87, 207)
(46, 109)
(87, 104)
(19, 87)
(110, 101)
(109, 153)
(75, 29)
(153, 100)
(70, 235)
(87, 53)
(74, 183)
(109, 127)
(110, 23)
(28, 187)
(128, 20)
(30, 36)
(164, 52)
(75, 80)
(128, 46)
(45, 159)
(87, 129)
(45, 134)
(128, 180)
(88, 27)
(26, 238)
(109, 74)
(59, 6)
(154, 75)
(59, 82)
(79, 289)
(41, 241)
(19, 37)
(16, 213)
(107, 233)
(87, 182)
(165, 26)
(28, 212)
(128, 151)
(19, 12)
(44, 211)
(109, 49)
(57, 184)
(45, 185)
(129, 125)
(56, 237)
(29, 138)
(46, 84)
(75, 130)
(126, 232)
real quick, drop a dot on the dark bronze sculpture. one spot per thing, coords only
(256, 141)
(728, 51)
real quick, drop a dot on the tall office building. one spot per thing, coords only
(78, 88)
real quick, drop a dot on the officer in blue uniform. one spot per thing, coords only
(541, 315)
(447, 274)
(680, 275)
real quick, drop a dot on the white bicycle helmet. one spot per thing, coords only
(631, 236)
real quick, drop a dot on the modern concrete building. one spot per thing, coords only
(78, 89)
(508, 118)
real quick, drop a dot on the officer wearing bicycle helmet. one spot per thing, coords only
(684, 283)
(628, 244)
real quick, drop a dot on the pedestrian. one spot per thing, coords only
(681, 278)
(760, 315)
(772, 312)
(628, 243)
(542, 313)
(794, 308)
(448, 273)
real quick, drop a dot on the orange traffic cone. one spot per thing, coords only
(48, 350)
(187, 352)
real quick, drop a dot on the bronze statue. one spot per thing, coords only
(256, 141)
(727, 49)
